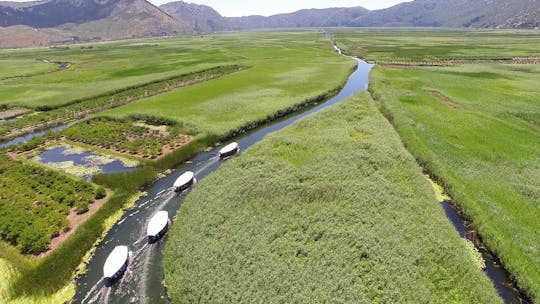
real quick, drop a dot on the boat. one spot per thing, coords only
(116, 264)
(185, 181)
(157, 227)
(229, 150)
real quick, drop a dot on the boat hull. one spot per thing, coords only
(110, 281)
(227, 154)
(184, 187)
(155, 238)
(229, 150)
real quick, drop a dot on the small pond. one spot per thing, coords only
(82, 163)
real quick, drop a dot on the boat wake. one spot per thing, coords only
(207, 165)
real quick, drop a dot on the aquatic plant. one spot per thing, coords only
(76, 170)
(71, 150)
(97, 160)
(33, 211)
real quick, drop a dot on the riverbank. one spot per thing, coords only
(480, 139)
(321, 211)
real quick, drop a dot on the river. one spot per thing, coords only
(142, 282)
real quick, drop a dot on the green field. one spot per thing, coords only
(111, 66)
(108, 67)
(483, 143)
(286, 70)
(127, 136)
(330, 210)
(11, 68)
(382, 45)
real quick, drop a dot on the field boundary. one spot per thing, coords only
(78, 109)
(454, 62)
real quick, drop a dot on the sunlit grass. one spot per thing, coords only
(486, 152)
(331, 209)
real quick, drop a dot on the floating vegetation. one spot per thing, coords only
(475, 255)
(99, 159)
(82, 163)
(77, 170)
(129, 163)
(72, 150)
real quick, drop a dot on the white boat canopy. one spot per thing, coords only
(157, 223)
(116, 260)
(229, 148)
(184, 179)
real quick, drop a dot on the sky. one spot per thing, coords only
(234, 8)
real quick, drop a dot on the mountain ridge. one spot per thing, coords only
(46, 22)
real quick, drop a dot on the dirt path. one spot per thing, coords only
(445, 100)
(75, 221)
(7, 114)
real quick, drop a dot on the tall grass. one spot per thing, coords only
(332, 209)
(485, 152)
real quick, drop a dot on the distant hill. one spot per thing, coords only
(425, 13)
(329, 17)
(56, 21)
(457, 13)
(201, 18)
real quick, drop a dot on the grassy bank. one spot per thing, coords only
(332, 209)
(476, 127)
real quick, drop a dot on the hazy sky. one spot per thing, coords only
(231, 8)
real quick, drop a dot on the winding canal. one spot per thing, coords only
(142, 283)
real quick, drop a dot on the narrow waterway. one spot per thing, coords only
(142, 282)
(28, 137)
(494, 270)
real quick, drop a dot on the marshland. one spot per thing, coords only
(320, 206)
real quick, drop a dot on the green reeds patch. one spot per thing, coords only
(479, 137)
(54, 271)
(34, 203)
(332, 209)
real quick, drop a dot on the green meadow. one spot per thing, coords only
(330, 210)
(381, 45)
(100, 68)
(11, 68)
(284, 73)
(106, 67)
(476, 127)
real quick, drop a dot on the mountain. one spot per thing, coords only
(329, 17)
(457, 13)
(424, 13)
(202, 18)
(46, 22)
(82, 20)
